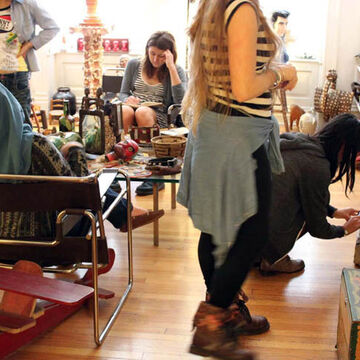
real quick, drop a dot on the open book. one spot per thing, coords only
(146, 103)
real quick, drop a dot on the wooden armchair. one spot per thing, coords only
(38, 116)
(56, 110)
(71, 198)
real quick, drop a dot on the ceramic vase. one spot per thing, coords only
(307, 123)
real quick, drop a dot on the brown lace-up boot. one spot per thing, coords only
(215, 336)
(246, 324)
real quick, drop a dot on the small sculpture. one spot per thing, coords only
(329, 101)
(295, 113)
(124, 150)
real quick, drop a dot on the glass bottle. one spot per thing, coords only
(66, 121)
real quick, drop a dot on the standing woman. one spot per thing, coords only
(18, 43)
(231, 151)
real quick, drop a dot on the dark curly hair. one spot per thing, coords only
(341, 136)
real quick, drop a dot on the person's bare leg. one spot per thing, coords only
(145, 116)
(128, 117)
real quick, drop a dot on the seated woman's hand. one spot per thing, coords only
(169, 59)
(132, 100)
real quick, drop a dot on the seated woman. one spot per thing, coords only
(25, 152)
(300, 196)
(156, 78)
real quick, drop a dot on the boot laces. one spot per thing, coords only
(242, 310)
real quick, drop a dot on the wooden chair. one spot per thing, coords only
(71, 198)
(111, 82)
(56, 110)
(281, 95)
(38, 116)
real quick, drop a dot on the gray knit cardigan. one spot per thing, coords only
(172, 94)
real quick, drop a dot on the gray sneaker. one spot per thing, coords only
(284, 265)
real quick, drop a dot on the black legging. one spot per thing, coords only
(223, 282)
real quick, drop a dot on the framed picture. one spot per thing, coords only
(92, 130)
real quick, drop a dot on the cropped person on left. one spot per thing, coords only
(25, 152)
(18, 43)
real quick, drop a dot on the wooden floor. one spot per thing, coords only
(155, 323)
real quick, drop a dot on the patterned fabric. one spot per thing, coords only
(155, 93)
(46, 160)
(219, 80)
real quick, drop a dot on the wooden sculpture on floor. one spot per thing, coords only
(20, 320)
(295, 113)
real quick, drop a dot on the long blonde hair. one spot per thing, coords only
(211, 11)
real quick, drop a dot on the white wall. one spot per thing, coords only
(343, 40)
(135, 20)
(307, 24)
(328, 29)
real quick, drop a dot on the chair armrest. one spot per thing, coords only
(172, 113)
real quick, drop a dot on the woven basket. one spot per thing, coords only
(169, 145)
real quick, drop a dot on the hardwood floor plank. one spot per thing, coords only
(155, 323)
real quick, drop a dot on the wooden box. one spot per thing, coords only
(348, 339)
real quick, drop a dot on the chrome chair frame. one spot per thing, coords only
(97, 223)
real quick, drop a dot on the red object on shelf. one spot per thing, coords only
(107, 45)
(116, 45)
(124, 45)
(80, 44)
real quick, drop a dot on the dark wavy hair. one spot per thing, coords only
(342, 133)
(163, 40)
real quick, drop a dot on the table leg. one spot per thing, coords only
(173, 195)
(156, 207)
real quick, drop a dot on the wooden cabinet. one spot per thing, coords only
(348, 340)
